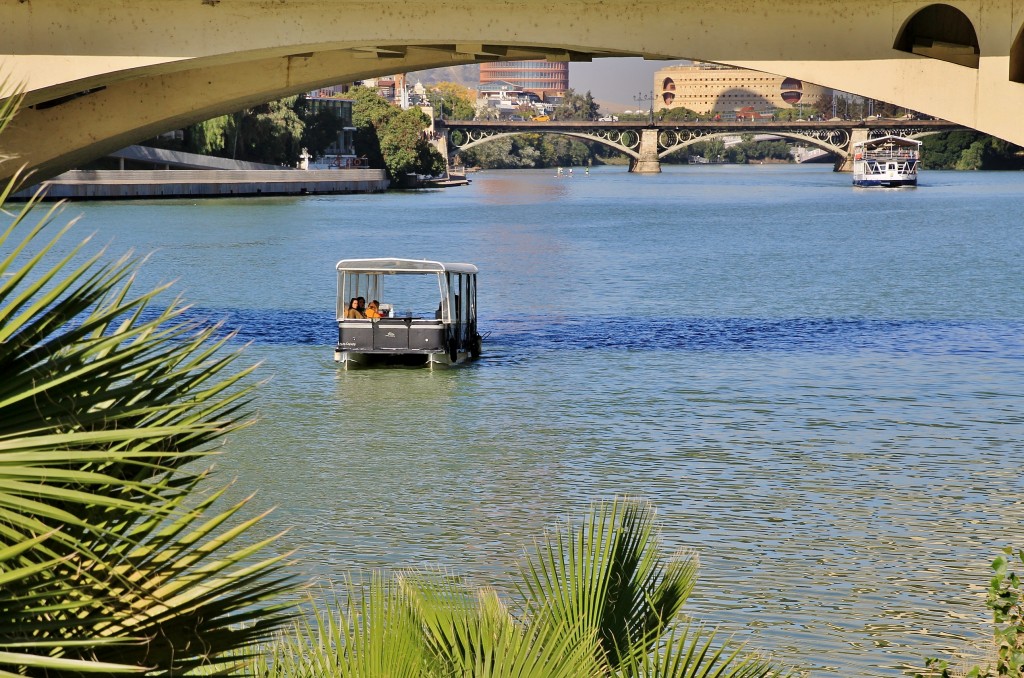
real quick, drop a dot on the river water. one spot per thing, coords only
(819, 387)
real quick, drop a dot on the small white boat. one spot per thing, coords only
(427, 313)
(886, 161)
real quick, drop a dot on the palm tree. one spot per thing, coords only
(598, 599)
(113, 557)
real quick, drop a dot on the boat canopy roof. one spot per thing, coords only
(401, 266)
(887, 140)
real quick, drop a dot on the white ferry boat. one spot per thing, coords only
(406, 312)
(886, 161)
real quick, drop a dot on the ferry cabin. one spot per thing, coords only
(887, 161)
(428, 307)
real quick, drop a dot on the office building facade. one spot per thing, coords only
(545, 78)
(723, 90)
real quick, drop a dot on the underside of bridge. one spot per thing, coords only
(99, 75)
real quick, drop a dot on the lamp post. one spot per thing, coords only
(641, 97)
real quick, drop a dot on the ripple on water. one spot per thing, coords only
(819, 388)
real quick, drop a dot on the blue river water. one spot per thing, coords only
(820, 388)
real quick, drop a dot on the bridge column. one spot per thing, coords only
(440, 141)
(857, 134)
(648, 162)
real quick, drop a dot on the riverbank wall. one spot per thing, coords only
(206, 183)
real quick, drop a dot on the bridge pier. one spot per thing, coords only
(440, 142)
(647, 162)
(857, 134)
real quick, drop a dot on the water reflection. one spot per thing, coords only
(520, 188)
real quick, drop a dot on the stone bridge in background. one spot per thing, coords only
(647, 144)
(99, 75)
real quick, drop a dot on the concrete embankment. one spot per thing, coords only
(209, 183)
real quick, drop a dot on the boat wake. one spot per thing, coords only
(522, 334)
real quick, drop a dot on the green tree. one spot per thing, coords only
(113, 557)
(511, 152)
(788, 114)
(557, 149)
(824, 105)
(989, 153)
(531, 150)
(750, 149)
(943, 151)
(391, 137)
(404, 147)
(207, 137)
(269, 133)
(678, 114)
(713, 149)
(321, 128)
(633, 117)
(369, 109)
(369, 112)
(972, 157)
(458, 102)
(576, 106)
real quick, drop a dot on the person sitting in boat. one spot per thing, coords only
(373, 310)
(362, 305)
(353, 312)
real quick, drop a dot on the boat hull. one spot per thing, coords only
(886, 183)
(361, 360)
(404, 342)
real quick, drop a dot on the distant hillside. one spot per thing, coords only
(468, 75)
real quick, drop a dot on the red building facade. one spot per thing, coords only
(542, 77)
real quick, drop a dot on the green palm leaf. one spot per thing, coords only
(112, 560)
(473, 634)
(610, 577)
(366, 631)
(422, 625)
(690, 652)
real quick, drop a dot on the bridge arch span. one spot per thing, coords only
(95, 84)
(835, 142)
(478, 138)
(646, 144)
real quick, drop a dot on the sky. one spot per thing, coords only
(614, 82)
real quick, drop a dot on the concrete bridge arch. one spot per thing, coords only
(102, 74)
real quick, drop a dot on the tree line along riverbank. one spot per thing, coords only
(396, 140)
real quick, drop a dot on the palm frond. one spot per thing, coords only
(110, 559)
(365, 630)
(609, 578)
(473, 634)
(691, 652)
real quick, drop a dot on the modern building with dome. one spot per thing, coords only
(724, 90)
